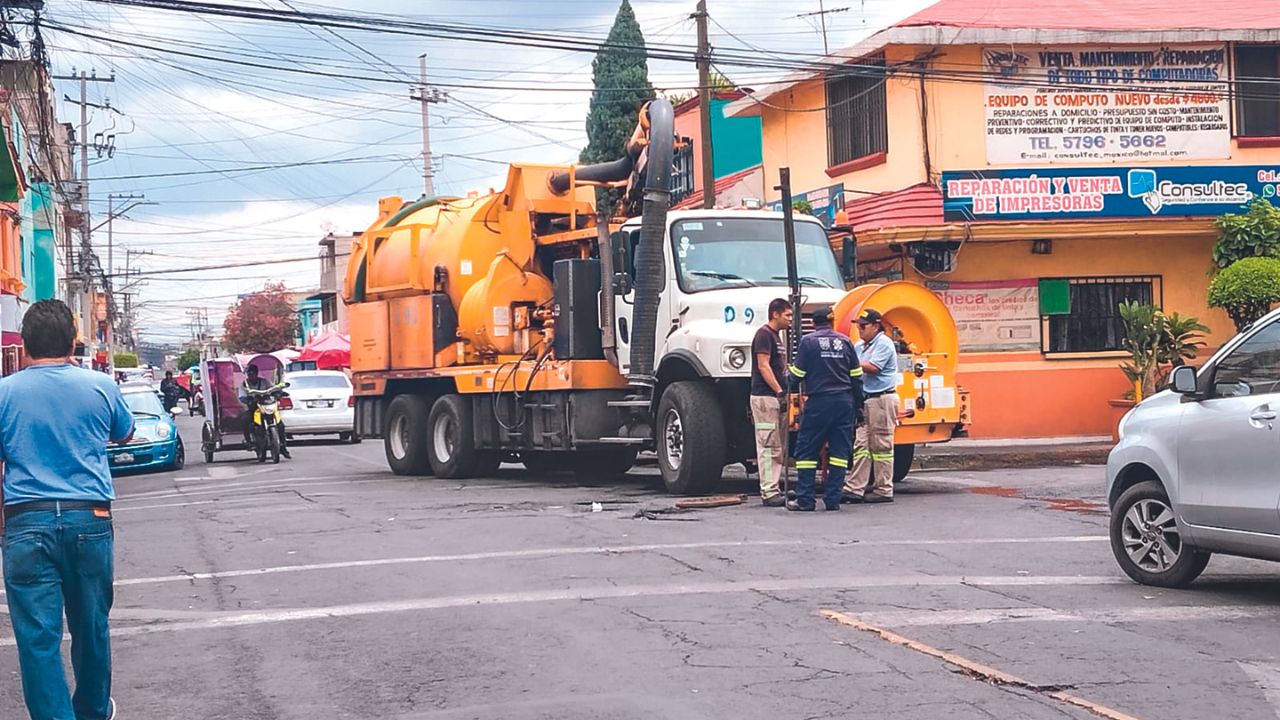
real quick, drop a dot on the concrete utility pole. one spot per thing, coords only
(426, 96)
(110, 289)
(704, 108)
(79, 293)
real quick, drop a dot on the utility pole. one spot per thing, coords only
(822, 14)
(426, 96)
(111, 268)
(86, 247)
(704, 107)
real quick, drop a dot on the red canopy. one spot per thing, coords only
(331, 351)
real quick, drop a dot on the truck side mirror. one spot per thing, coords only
(624, 260)
(849, 259)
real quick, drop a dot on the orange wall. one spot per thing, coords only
(1022, 394)
(688, 124)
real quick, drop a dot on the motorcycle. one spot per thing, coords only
(264, 427)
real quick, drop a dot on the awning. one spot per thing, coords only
(10, 339)
(321, 296)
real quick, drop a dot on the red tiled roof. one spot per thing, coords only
(694, 199)
(913, 206)
(1111, 15)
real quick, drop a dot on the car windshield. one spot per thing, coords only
(717, 253)
(144, 403)
(318, 382)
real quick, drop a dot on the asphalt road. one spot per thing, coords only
(326, 587)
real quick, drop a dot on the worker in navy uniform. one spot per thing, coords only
(827, 365)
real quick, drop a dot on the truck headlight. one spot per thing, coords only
(735, 358)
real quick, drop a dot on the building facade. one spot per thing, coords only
(335, 253)
(736, 152)
(1036, 167)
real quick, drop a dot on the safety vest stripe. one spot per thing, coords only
(766, 426)
(881, 457)
(797, 371)
(861, 454)
(855, 372)
(838, 462)
(806, 464)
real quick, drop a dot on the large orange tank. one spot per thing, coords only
(479, 251)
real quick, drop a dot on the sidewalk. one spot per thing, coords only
(968, 454)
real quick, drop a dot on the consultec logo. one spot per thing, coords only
(1156, 193)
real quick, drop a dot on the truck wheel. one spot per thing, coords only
(605, 465)
(451, 438)
(903, 455)
(405, 440)
(690, 438)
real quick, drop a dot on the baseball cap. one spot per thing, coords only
(868, 316)
(823, 315)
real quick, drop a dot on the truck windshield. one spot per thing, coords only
(720, 253)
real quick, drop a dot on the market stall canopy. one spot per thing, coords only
(330, 351)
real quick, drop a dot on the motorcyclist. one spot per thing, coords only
(254, 381)
(171, 391)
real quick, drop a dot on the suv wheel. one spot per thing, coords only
(1147, 542)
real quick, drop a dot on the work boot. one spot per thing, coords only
(850, 498)
(874, 499)
(795, 506)
(773, 501)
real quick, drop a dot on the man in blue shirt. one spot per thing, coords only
(873, 443)
(828, 367)
(55, 422)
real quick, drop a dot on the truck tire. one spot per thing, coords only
(451, 438)
(690, 441)
(603, 465)
(903, 456)
(405, 440)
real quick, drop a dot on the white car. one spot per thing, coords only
(319, 402)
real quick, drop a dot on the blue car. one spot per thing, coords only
(155, 444)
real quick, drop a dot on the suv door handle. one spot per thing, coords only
(1263, 415)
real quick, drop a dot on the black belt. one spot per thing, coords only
(19, 508)
(881, 393)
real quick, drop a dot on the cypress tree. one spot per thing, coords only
(620, 74)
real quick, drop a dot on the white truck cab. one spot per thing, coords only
(722, 269)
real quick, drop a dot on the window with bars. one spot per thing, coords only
(857, 117)
(1257, 73)
(682, 177)
(1082, 315)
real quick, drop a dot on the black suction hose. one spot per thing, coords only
(650, 271)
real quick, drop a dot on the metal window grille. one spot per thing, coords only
(1257, 72)
(682, 178)
(857, 115)
(1094, 323)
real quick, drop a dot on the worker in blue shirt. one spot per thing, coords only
(873, 446)
(827, 365)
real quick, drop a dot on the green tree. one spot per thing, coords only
(126, 360)
(1156, 343)
(1255, 233)
(620, 74)
(1246, 289)
(188, 359)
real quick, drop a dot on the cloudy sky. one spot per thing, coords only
(248, 164)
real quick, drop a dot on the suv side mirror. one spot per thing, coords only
(1183, 380)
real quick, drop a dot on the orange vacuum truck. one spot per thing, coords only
(521, 326)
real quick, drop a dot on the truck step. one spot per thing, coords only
(622, 441)
(628, 403)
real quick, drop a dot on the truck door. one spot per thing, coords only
(624, 268)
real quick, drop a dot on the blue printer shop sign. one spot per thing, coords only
(1085, 193)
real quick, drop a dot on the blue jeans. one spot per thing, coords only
(55, 561)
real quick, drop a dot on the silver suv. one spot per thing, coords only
(1197, 469)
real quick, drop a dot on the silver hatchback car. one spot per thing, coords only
(1197, 468)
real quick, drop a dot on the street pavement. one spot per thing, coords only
(326, 587)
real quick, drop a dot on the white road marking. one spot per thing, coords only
(1267, 677)
(984, 616)
(604, 592)
(561, 552)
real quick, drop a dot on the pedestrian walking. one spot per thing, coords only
(873, 443)
(767, 401)
(56, 420)
(827, 364)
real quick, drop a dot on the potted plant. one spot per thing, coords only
(1156, 344)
